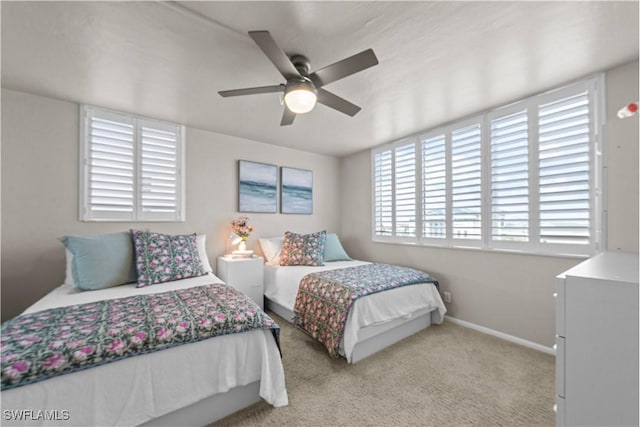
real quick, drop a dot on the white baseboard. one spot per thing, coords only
(502, 335)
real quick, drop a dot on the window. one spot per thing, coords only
(524, 177)
(131, 168)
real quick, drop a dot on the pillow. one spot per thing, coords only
(333, 250)
(299, 249)
(271, 248)
(163, 258)
(99, 261)
(202, 253)
(68, 270)
(201, 241)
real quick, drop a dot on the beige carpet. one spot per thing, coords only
(444, 375)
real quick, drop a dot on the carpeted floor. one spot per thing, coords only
(444, 375)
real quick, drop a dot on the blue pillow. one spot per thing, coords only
(101, 261)
(333, 250)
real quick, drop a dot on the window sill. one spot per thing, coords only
(489, 250)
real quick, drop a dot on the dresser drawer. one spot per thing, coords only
(560, 306)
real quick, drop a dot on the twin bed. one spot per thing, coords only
(207, 379)
(190, 384)
(375, 321)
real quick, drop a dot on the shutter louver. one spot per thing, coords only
(434, 191)
(111, 168)
(159, 173)
(564, 157)
(510, 178)
(466, 194)
(383, 193)
(405, 190)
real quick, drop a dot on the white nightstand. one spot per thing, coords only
(244, 274)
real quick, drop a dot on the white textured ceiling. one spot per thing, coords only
(438, 60)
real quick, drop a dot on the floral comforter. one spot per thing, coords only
(324, 298)
(44, 344)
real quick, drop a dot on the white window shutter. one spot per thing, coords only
(383, 193)
(405, 190)
(110, 166)
(434, 191)
(564, 158)
(160, 174)
(131, 168)
(510, 178)
(466, 192)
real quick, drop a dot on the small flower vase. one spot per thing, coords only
(242, 246)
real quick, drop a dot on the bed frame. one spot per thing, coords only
(372, 339)
(212, 408)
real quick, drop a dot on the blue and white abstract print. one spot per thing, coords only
(297, 191)
(258, 187)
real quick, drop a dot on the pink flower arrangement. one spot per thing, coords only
(241, 227)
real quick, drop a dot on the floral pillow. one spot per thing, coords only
(303, 249)
(162, 258)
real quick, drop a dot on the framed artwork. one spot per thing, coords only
(297, 191)
(257, 187)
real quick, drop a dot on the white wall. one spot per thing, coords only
(510, 293)
(40, 193)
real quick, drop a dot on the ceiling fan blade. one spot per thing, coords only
(251, 90)
(344, 68)
(334, 101)
(287, 117)
(275, 54)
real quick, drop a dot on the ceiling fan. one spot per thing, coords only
(303, 90)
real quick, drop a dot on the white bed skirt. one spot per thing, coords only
(372, 339)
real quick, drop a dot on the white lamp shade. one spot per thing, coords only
(300, 98)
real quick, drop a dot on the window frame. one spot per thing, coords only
(87, 112)
(594, 86)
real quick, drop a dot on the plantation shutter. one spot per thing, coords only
(405, 190)
(434, 191)
(131, 168)
(110, 161)
(383, 193)
(564, 157)
(466, 194)
(510, 178)
(160, 173)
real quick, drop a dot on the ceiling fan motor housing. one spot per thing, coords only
(302, 64)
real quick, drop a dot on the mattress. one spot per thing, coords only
(141, 388)
(281, 287)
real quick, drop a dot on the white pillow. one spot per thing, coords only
(201, 241)
(68, 274)
(271, 248)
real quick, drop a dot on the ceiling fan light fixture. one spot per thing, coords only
(300, 96)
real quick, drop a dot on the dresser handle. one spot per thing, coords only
(555, 347)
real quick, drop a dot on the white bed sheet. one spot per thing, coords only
(137, 389)
(281, 286)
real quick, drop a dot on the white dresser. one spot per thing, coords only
(597, 342)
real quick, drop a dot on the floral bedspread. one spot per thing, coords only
(324, 298)
(40, 345)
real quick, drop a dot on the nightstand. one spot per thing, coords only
(244, 274)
